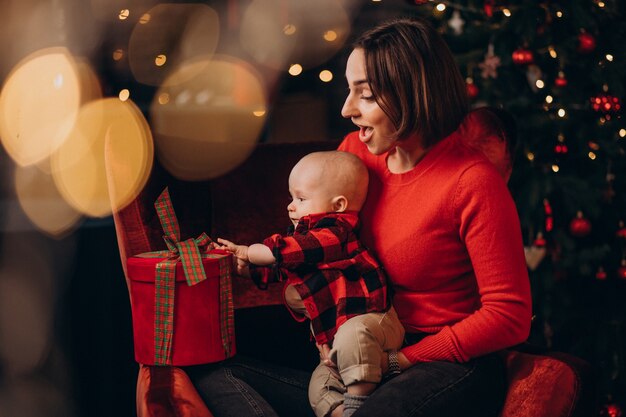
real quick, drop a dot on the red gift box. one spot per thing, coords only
(181, 298)
(197, 332)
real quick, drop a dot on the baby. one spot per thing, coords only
(331, 279)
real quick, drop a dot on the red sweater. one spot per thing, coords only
(448, 234)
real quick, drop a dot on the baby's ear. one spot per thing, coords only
(340, 203)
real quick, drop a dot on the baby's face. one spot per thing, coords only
(310, 194)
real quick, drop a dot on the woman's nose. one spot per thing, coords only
(348, 110)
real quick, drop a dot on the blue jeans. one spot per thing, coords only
(243, 387)
(441, 389)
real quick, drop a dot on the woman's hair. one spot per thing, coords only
(414, 78)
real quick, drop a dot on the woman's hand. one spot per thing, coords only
(325, 359)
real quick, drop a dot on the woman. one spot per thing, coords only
(442, 222)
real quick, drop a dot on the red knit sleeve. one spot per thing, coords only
(488, 225)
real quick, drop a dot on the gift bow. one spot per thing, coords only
(189, 253)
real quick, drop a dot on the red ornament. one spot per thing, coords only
(611, 410)
(601, 274)
(586, 43)
(561, 148)
(540, 241)
(606, 104)
(523, 56)
(472, 90)
(621, 232)
(560, 81)
(547, 209)
(488, 7)
(580, 226)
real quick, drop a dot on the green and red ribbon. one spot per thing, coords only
(190, 253)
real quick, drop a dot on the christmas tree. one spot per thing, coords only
(559, 68)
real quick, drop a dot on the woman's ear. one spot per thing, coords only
(339, 203)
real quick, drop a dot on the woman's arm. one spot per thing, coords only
(488, 226)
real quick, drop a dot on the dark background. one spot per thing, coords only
(65, 323)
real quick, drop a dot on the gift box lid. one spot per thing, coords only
(142, 267)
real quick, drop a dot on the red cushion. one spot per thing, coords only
(167, 391)
(539, 386)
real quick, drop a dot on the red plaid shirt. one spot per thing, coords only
(335, 275)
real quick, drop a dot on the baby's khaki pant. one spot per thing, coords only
(357, 350)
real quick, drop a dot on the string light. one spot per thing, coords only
(540, 84)
(561, 113)
(609, 57)
(326, 76)
(124, 13)
(549, 99)
(530, 156)
(559, 14)
(160, 60)
(118, 54)
(555, 168)
(145, 18)
(164, 98)
(552, 51)
(295, 69)
(124, 94)
(601, 4)
(622, 133)
(330, 35)
(592, 155)
(506, 12)
(440, 7)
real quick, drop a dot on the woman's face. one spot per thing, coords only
(376, 131)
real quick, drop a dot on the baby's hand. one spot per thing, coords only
(240, 251)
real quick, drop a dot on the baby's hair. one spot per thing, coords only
(347, 172)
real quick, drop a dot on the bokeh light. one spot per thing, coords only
(279, 32)
(42, 203)
(118, 54)
(295, 69)
(330, 35)
(160, 60)
(212, 121)
(124, 13)
(326, 76)
(289, 29)
(124, 94)
(176, 33)
(39, 103)
(107, 128)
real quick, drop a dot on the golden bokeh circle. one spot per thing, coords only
(38, 105)
(106, 160)
(212, 121)
(42, 203)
